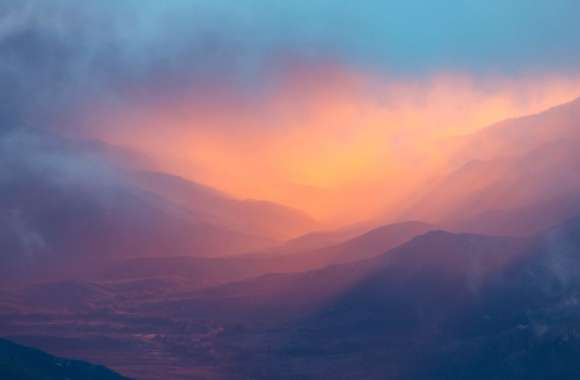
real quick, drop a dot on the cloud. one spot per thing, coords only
(45, 183)
(325, 139)
(60, 53)
(261, 82)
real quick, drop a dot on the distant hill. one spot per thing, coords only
(518, 136)
(248, 216)
(202, 272)
(433, 258)
(520, 177)
(66, 206)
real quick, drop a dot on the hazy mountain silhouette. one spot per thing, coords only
(367, 245)
(434, 256)
(62, 204)
(201, 272)
(518, 136)
(248, 216)
(320, 239)
(519, 190)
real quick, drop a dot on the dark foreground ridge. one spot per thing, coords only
(24, 363)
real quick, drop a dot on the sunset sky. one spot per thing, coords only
(338, 108)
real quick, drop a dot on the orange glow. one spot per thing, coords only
(337, 144)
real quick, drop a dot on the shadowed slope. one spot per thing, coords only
(467, 259)
(202, 272)
(62, 205)
(23, 363)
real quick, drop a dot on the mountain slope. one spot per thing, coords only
(367, 245)
(23, 363)
(520, 177)
(63, 205)
(248, 216)
(432, 256)
(443, 305)
(519, 136)
(202, 272)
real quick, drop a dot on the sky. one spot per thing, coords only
(316, 104)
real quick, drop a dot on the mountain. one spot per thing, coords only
(434, 256)
(442, 305)
(520, 178)
(24, 363)
(116, 281)
(63, 206)
(320, 239)
(249, 216)
(368, 319)
(367, 245)
(197, 272)
(518, 136)
(50, 224)
(401, 301)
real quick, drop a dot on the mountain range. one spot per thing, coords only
(160, 277)
(67, 205)
(517, 177)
